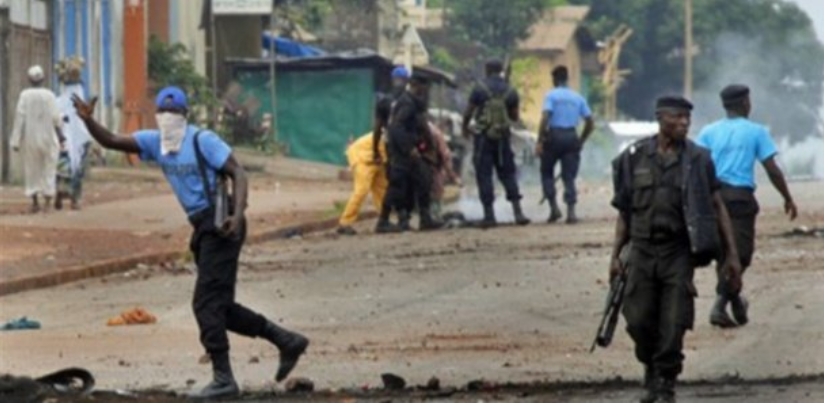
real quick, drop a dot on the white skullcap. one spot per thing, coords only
(36, 73)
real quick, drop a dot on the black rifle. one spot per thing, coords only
(615, 298)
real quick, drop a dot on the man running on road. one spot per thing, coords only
(192, 159)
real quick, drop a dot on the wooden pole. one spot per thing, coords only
(688, 46)
(272, 73)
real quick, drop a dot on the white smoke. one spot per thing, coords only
(805, 158)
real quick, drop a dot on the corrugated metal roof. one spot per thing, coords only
(555, 30)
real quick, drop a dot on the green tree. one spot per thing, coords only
(769, 45)
(170, 65)
(496, 24)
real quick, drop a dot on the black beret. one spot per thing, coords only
(419, 78)
(673, 102)
(734, 93)
(495, 65)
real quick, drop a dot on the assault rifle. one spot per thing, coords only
(615, 299)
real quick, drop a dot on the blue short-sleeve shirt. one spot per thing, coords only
(567, 108)
(736, 144)
(181, 168)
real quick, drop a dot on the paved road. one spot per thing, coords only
(507, 305)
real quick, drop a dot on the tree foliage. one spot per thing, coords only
(170, 65)
(769, 45)
(496, 24)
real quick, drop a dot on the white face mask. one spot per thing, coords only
(172, 130)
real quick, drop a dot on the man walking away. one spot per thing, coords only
(193, 159)
(409, 176)
(369, 175)
(736, 143)
(558, 142)
(670, 208)
(494, 105)
(37, 135)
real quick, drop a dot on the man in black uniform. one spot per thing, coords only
(670, 208)
(383, 109)
(409, 175)
(494, 105)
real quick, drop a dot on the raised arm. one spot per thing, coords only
(103, 136)
(780, 184)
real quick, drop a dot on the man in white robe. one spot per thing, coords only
(37, 135)
(78, 139)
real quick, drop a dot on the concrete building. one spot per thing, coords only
(25, 40)
(92, 30)
(179, 22)
(558, 38)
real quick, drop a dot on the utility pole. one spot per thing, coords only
(688, 49)
(272, 74)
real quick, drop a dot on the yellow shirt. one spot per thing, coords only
(360, 152)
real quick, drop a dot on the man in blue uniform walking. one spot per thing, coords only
(736, 143)
(558, 142)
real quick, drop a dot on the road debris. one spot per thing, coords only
(135, 316)
(23, 323)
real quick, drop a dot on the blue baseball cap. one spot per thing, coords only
(400, 72)
(171, 98)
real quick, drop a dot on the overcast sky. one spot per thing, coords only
(815, 9)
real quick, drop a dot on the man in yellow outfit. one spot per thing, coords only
(369, 175)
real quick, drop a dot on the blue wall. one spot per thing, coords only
(75, 28)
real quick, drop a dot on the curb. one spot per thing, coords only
(119, 265)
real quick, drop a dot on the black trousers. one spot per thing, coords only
(659, 303)
(214, 297)
(562, 146)
(495, 155)
(410, 182)
(743, 209)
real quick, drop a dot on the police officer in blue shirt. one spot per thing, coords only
(736, 144)
(558, 142)
(192, 169)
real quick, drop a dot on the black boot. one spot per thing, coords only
(489, 217)
(554, 212)
(223, 384)
(665, 390)
(520, 218)
(428, 223)
(740, 306)
(718, 314)
(384, 226)
(404, 218)
(572, 218)
(650, 394)
(290, 344)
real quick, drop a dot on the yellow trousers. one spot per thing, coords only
(368, 178)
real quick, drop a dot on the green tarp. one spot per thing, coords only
(318, 111)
